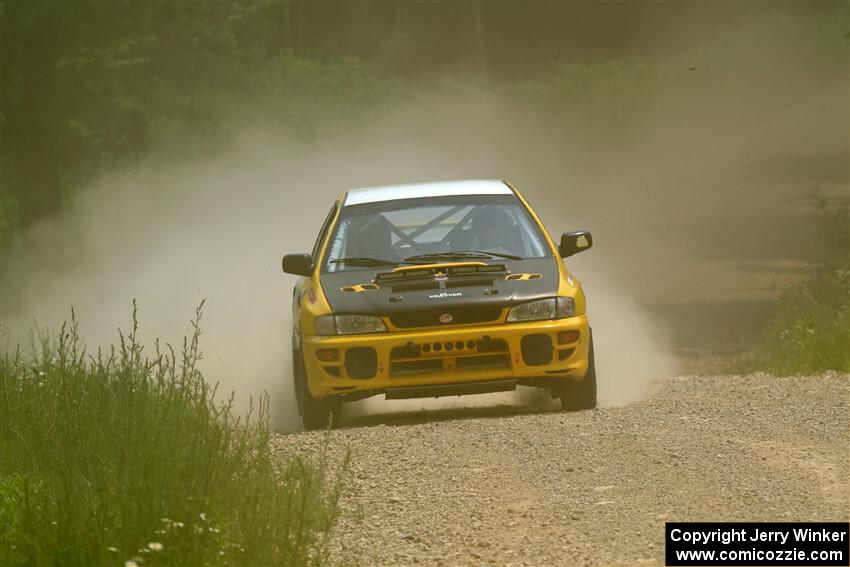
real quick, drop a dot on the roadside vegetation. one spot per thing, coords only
(811, 329)
(119, 82)
(121, 458)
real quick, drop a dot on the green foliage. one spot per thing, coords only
(121, 457)
(315, 97)
(118, 80)
(8, 220)
(607, 96)
(811, 329)
(88, 86)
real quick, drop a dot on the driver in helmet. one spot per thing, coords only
(494, 229)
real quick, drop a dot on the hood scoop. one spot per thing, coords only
(440, 277)
(445, 276)
(359, 288)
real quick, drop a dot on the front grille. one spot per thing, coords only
(409, 350)
(461, 316)
(480, 362)
(431, 365)
(489, 345)
(416, 367)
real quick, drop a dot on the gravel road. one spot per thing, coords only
(519, 485)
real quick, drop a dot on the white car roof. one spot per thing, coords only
(435, 189)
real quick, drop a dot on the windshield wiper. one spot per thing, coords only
(465, 255)
(365, 261)
(498, 254)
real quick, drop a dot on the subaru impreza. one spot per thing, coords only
(437, 289)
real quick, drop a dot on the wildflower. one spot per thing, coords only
(203, 516)
(41, 372)
(130, 563)
(112, 549)
(155, 546)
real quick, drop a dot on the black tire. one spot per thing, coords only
(579, 395)
(315, 414)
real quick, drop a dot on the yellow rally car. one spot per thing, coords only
(437, 289)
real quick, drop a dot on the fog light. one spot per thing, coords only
(536, 349)
(566, 337)
(361, 362)
(327, 354)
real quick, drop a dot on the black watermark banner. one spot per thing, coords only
(739, 543)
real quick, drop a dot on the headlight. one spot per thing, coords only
(348, 324)
(552, 308)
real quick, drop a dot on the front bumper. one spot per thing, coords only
(372, 364)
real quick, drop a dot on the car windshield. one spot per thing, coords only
(467, 227)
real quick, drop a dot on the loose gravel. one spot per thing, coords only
(519, 485)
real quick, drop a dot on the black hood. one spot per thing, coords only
(429, 293)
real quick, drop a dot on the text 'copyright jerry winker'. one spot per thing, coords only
(739, 543)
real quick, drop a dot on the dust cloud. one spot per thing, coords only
(685, 209)
(173, 234)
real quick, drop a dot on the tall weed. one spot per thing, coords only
(811, 329)
(120, 457)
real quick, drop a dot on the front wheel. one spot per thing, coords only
(581, 394)
(315, 414)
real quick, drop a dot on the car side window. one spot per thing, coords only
(322, 233)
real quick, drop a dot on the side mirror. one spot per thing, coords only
(298, 264)
(575, 242)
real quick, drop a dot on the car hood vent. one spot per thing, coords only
(439, 287)
(435, 283)
(415, 285)
(443, 276)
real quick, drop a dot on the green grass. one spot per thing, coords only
(811, 329)
(121, 457)
(812, 337)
